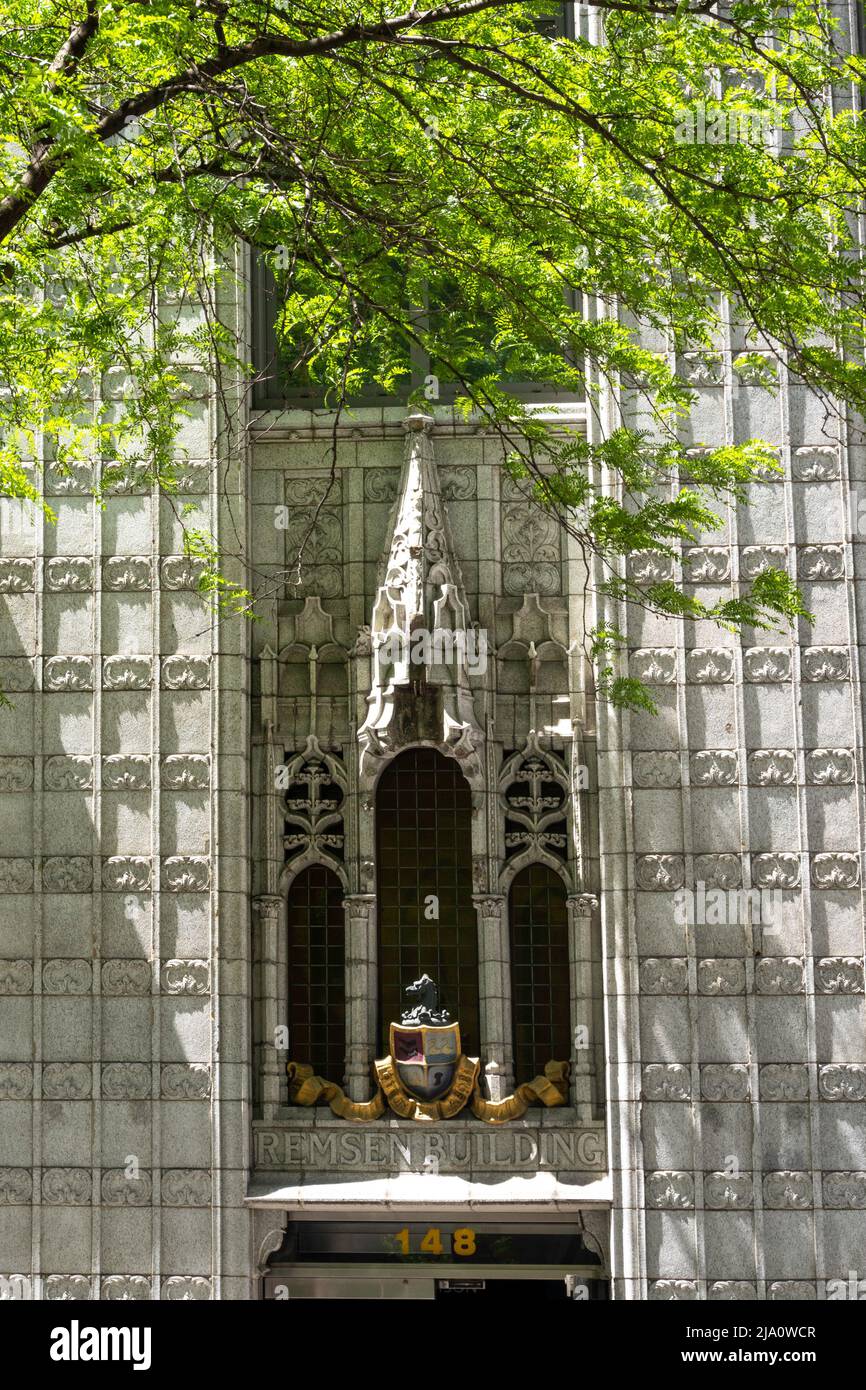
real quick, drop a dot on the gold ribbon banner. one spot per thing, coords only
(307, 1089)
(550, 1089)
(459, 1092)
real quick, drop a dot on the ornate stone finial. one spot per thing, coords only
(421, 632)
(425, 993)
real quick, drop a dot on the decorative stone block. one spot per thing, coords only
(186, 672)
(126, 1081)
(67, 874)
(125, 1288)
(16, 875)
(16, 1186)
(674, 1289)
(16, 576)
(718, 870)
(721, 975)
(664, 975)
(825, 664)
(67, 674)
(126, 874)
(780, 870)
(821, 562)
(16, 774)
(707, 565)
(67, 1288)
(185, 1187)
(186, 772)
(714, 767)
(64, 773)
(839, 975)
(68, 573)
(722, 1081)
(722, 1192)
(185, 977)
(185, 874)
(654, 666)
(780, 975)
(67, 977)
(16, 977)
(791, 1291)
(16, 1080)
(180, 572)
(126, 977)
(672, 1191)
(754, 558)
(787, 1191)
(842, 1081)
(772, 767)
(656, 769)
(125, 772)
(666, 1081)
(767, 665)
(180, 1081)
(838, 870)
(784, 1081)
(127, 673)
(830, 767)
(126, 573)
(844, 1191)
(118, 1190)
(66, 1187)
(186, 1288)
(816, 463)
(660, 873)
(66, 1080)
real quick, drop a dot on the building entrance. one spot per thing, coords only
(430, 1258)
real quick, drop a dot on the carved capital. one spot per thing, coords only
(489, 904)
(582, 904)
(267, 907)
(360, 904)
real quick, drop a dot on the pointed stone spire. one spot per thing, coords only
(421, 630)
(420, 584)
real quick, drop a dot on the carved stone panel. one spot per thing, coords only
(314, 537)
(530, 540)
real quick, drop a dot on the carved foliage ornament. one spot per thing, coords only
(530, 549)
(534, 795)
(315, 786)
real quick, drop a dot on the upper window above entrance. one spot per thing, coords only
(421, 311)
(427, 920)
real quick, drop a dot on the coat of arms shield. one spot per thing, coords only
(425, 1057)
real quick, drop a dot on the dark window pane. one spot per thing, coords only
(540, 973)
(317, 981)
(424, 830)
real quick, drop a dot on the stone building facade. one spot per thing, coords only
(181, 795)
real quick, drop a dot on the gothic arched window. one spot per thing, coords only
(317, 971)
(426, 917)
(540, 983)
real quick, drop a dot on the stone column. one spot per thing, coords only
(362, 992)
(270, 1002)
(580, 909)
(494, 989)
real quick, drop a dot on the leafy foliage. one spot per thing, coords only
(448, 181)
